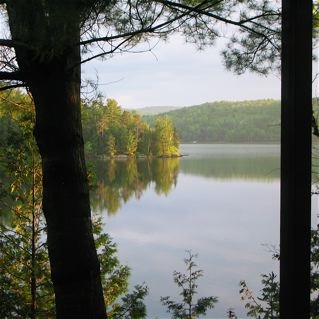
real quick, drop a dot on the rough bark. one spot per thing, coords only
(74, 264)
(53, 77)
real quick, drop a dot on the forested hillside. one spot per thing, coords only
(228, 122)
(153, 110)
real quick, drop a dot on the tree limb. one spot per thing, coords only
(13, 86)
(6, 42)
(13, 44)
(14, 76)
(148, 29)
(203, 11)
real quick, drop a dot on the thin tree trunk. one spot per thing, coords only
(33, 281)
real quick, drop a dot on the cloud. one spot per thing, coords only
(177, 74)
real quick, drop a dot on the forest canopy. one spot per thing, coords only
(111, 131)
(227, 122)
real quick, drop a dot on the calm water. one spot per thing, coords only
(220, 201)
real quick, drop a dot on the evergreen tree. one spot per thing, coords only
(187, 309)
(267, 305)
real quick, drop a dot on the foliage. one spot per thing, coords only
(228, 122)
(26, 289)
(115, 278)
(132, 306)
(231, 314)
(165, 137)
(266, 306)
(112, 131)
(187, 282)
(257, 47)
(119, 26)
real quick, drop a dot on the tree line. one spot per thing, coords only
(111, 131)
(227, 122)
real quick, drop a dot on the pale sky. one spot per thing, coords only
(176, 74)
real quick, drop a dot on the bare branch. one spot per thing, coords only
(6, 42)
(13, 86)
(15, 76)
(12, 44)
(107, 52)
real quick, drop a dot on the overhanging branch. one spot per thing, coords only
(203, 11)
(147, 29)
(203, 8)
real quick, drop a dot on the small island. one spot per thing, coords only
(111, 132)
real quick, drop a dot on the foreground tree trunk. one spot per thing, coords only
(52, 72)
(296, 120)
(74, 264)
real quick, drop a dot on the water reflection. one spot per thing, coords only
(250, 167)
(232, 161)
(118, 181)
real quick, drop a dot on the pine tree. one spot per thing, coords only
(187, 282)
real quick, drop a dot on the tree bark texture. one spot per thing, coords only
(51, 66)
(296, 119)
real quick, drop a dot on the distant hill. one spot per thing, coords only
(227, 122)
(154, 110)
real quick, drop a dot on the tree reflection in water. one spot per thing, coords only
(120, 180)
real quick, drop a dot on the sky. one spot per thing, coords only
(176, 74)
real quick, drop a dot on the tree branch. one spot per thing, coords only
(15, 76)
(13, 86)
(148, 29)
(203, 11)
(107, 52)
(6, 42)
(12, 44)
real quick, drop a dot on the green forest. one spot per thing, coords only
(26, 289)
(111, 131)
(227, 122)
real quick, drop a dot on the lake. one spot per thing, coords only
(220, 201)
